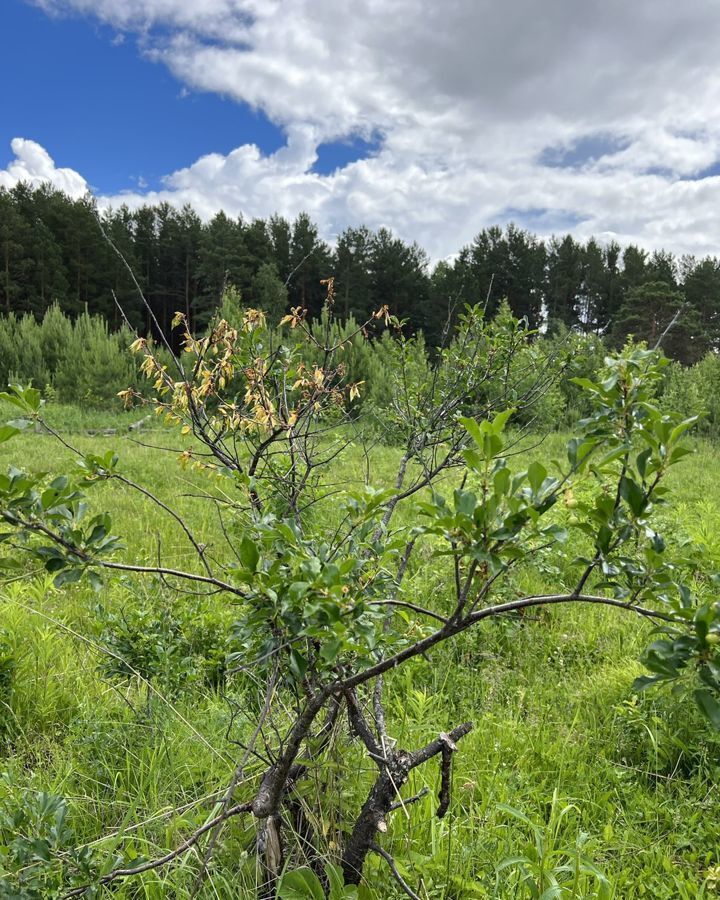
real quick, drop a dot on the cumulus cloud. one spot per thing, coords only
(468, 97)
(34, 165)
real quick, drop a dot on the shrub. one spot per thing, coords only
(172, 644)
(321, 613)
(95, 366)
(39, 854)
(697, 389)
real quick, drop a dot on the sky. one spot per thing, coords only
(432, 119)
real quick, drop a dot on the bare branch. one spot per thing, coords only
(407, 605)
(671, 324)
(394, 870)
(453, 628)
(186, 845)
(401, 804)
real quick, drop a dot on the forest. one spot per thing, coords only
(52, 251)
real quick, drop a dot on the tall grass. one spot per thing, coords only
(565, 766)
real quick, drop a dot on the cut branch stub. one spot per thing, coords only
(449, 747)
(382, 797)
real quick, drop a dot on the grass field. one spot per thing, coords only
(565, 766)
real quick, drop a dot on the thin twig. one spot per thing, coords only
(410, 800)
(186, 845)
(394, 870)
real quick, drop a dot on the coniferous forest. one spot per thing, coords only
(52, 251)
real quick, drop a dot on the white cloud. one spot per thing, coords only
(466, 95)
(33, 164)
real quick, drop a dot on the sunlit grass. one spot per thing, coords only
(549, 695)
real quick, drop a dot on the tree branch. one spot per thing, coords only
(394, 870)
(186, 845)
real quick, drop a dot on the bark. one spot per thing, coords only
(271, 790)
(381, 799)
(372, 815)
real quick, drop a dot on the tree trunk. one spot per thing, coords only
(372, 816)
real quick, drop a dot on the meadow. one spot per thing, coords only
(114, 711)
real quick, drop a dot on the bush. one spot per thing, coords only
(77, 361)
(96, 364)
(39, 855)
(696, 390)
(21, 352)
(170, 644)
(314, 595)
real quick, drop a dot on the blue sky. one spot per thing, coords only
(86, 90)
(434, 120)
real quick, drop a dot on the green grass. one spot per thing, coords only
(74, 419)
(558, 734)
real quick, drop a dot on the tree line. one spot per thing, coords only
(52, 251)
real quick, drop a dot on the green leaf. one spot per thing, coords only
(681, 428)
(501, 481)
(586, 384)
(552, 893)
(708, 706)
(298, 665)
(679, 453)
(48, 498)
(633, 495)
(501, 420)
(516, 813)
(492, 445)
(579, 451)
(331, 648)
(643, 682)
(661, 659)
(642, 461)
(536, 473)
(300, 884)
(511, 862)
(473, 429)
(472, 459)
(67, 576)
(24, 398)
(11, 398)
(6, 432)
(465, 502)
(338, 889)
(298, 589)
(96, 581)
(603, 538)
(249, 554)
(32, 398)
(97, 534)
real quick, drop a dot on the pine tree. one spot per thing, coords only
(269, 293)
(647, 312)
